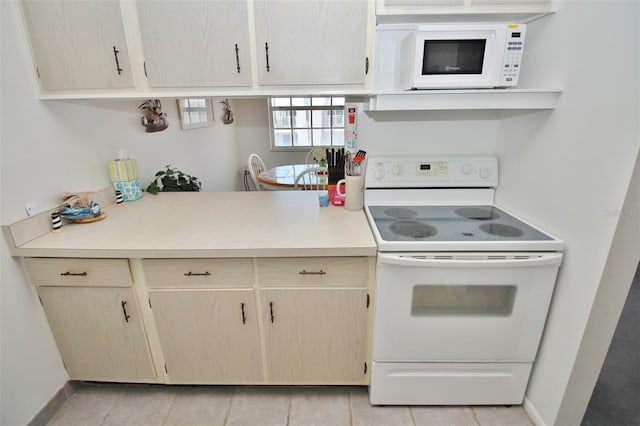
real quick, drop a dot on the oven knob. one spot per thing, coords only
(379, 173)
(485, 173)
(467, 168)
(397, 169)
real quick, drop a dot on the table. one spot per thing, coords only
(282, 177)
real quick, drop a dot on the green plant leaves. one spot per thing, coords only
(174, 180)
(153, 188)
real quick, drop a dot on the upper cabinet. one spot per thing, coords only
(78, 44)
(315, 42)
(101, 49)
(195, 43)
(459, 7)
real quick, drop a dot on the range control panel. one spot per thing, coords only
(431, 171)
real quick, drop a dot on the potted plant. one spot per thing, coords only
(173, 180)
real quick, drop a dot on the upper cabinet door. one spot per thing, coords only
(78, 44)
(195, 43)
(311, 42)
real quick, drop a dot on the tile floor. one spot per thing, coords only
(108, 404)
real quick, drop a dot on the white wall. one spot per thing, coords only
(72, 141)
(432, 132)
(253, 134)
(569, 171)
(608, 303)
(31, 370)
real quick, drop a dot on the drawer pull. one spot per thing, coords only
(271, 309)
(74, 274)
(320, 272)
(244, 318)
(124, 310)
(197, 274)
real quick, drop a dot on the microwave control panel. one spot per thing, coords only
(512, 55)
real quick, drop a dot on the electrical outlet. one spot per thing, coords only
(33, 207)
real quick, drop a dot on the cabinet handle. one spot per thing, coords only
(271, 309)
(237, 59)
(266, 51)
(244, 318)
(366, 65)
(74, 274)
(124, 311)
(197, 274)
(320, 272)
(115, 53)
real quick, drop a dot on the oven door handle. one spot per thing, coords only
(470, 260)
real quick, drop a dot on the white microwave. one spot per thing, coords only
(461, 56)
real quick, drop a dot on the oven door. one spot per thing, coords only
(461, 307)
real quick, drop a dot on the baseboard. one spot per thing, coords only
(533, 413)
(47, 412)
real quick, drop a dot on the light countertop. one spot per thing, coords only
(213, 224)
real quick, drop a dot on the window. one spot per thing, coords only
(195, 112)
(299, 123)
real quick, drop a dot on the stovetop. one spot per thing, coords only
(454, 227)
(451, 223)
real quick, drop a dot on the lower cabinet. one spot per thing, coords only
(99, 333)
(210, 321)
(316, 320)
(208, 336)
(315, 336)
(262, 321)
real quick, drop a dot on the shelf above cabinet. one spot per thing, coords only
(478, 99)
(522, 11)
(207, 93)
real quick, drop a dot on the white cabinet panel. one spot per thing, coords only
(315, 336)
(99, 333)
(314, 271)
(311, 42)
(198, 273)
(68, 272)
(78, 44)
(208, 336)
(195, 43)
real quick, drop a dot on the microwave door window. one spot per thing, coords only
(451, 57)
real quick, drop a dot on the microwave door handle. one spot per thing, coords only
(470, 260)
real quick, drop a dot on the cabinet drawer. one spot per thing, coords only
(198, 273)
(78, 272)
(319, 271)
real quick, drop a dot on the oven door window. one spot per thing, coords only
(462, 300)
(446, 57)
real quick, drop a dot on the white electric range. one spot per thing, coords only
(462, 286)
